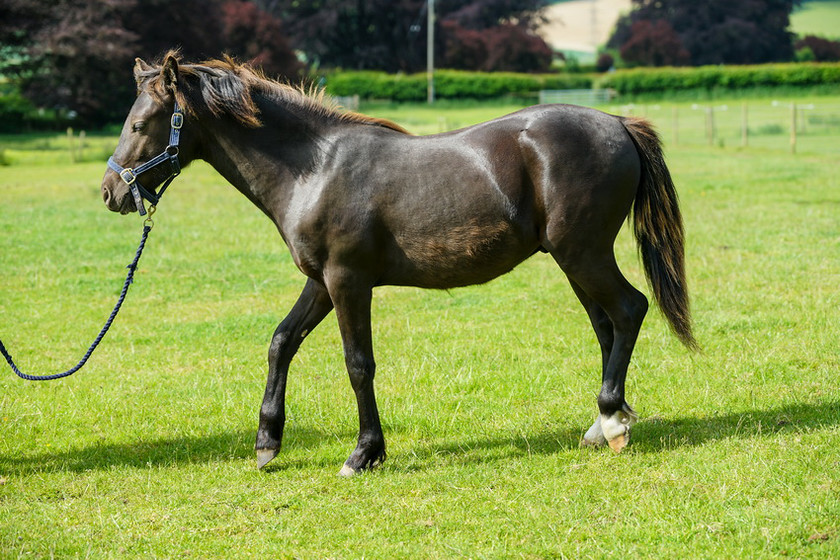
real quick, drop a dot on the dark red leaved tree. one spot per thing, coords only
(654, 44)
(824, 50)
(711, 31)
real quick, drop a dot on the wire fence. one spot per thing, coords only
(797, 126)
(588, 97)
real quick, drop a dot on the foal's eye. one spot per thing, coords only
(138, 126)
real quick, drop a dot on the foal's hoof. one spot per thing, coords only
(264, 456)
(616, 428)
(620, 442)
(594, 436)
(347, 471)
(361, 465)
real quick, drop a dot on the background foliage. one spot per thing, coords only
(658, 32)
(644, 80)
(75, 55)
(72, 57)
(66, 62)
(391, 35)
(449, 84)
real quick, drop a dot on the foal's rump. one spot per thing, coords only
(585, 170)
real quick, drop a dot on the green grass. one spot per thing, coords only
(484, 392)
(817, 17)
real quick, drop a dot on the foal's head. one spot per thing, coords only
(146, 132)
(216, 91)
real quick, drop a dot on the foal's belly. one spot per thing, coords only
(470, 253)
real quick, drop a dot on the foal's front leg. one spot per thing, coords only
(312, 306)
(352, 306)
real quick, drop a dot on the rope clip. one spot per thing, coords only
(149, 221)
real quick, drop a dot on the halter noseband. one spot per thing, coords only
(170, 154)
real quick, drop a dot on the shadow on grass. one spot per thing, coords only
(656, 434)
(651, 435)
(164, 452)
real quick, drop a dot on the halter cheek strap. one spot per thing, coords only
(170, 154)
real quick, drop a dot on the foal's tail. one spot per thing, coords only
(658, 226)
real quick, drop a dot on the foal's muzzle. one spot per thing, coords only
(130, 175)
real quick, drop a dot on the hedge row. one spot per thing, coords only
(449, 84)
(18, 114)
(647, 80)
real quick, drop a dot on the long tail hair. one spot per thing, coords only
(658, 226)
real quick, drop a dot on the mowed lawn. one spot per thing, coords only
(484, 392)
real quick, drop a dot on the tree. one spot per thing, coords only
(821, 50)
(391, 34)
(76, 55)
(654, 43)
(513, 48)
(72, 49)
(714, 31)
(254, 35)
(486, 14)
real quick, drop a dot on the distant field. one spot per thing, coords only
(570, 26)
(817, 17)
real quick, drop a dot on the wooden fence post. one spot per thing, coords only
(70, 144)
(675, 115)
(710, 125)
(745, 130)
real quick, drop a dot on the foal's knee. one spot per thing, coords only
(361, 368)
(278, 341)
(283, 343)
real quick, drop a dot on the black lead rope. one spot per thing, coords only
(130, 178)
(147, 227)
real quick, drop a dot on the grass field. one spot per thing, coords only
(484, 392)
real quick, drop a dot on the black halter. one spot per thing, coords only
(170, 154)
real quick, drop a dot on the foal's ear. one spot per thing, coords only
(169, 72)
(140, 67)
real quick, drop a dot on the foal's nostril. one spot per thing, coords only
(106, 195)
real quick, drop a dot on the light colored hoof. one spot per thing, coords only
(620, 442)
(347, 471)
(264, 456)
(594, 436)
(616, 428)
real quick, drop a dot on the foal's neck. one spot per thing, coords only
(265, 162)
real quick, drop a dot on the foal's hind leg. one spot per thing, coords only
(603, 327)
(609, 297)
(312, 306)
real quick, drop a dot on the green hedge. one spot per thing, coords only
(15, 111)
(648, 80)
(449, 84)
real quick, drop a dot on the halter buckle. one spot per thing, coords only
(177, 120)
(128, 176)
